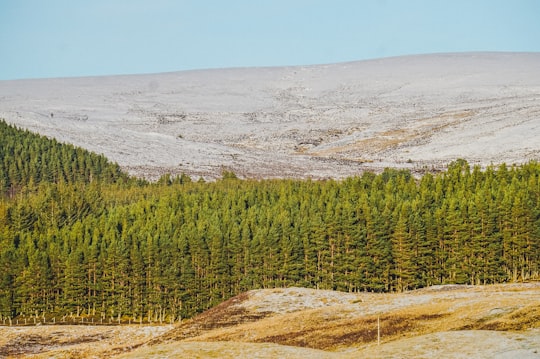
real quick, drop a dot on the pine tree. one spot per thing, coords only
(402, 252)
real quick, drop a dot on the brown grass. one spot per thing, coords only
(227, 314)
(386, 140)
(302, 318)
(381, 141)
(342, 326)
(73, 341)
(345, 333)
(515, 320)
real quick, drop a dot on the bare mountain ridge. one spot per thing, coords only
(306, 121)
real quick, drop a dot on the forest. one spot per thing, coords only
(80, 237)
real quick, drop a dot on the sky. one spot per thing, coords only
(65, 38)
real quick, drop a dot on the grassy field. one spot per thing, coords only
(443, 321)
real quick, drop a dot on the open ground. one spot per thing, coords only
(496, 321)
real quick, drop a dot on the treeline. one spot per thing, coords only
(111, 247)
(28, 158)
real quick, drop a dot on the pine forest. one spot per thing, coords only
(80, 237)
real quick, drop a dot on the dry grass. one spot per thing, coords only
(476, 344)
(340, 327)
(507, 319)
(73, 341)
(333, 328)
(374, 144)
(390, 139)
(225, 315)
(231, 350)
(299, 322)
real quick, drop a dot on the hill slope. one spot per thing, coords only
(336, 321)
(313, 121)
(499, 321)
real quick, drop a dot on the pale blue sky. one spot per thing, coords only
(59, 38)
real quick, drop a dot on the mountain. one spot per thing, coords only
(319, 121)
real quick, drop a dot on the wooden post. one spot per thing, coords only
(378, 330)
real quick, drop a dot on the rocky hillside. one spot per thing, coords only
(314, 121)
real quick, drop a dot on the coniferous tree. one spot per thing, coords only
(79, 237)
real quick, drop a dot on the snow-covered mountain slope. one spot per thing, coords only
(309, 121)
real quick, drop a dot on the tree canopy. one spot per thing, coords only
(79, 236)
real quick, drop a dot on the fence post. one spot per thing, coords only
(378, 330)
